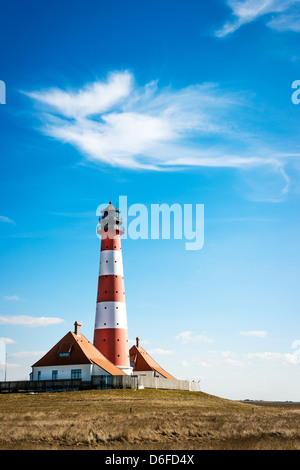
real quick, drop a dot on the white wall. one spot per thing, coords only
(64, 372)
(98, 371)
(148, 373)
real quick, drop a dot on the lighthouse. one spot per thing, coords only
(111, 333)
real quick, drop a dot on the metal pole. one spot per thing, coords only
(5, 370)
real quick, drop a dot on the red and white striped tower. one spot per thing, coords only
(111, 334)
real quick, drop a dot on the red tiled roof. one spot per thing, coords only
(144, 362)
(80, 350)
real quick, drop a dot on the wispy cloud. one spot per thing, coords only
(286, 22)
(292, 358)
(257, 334)
(27, 354)
(95, 98)
(8, 340)
(160, 352)
(228, 359)
(285, 15)
(32, 322)
(6, 220)
(11, 297)
(188, 337)
(116, 122)
(283, 358)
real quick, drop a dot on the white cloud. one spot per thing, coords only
(257, 334)
(119, 123)
(8, 340)
(286, 22)
(160, 352)
(11, 297)
(32, 322)
(9, 366)
(204, 364)
(142, 341)
(284, 358)
(232, 362)
(285, 16)
(6, 220)
(188, 337)
(229, 359)
(95, 98)
(27, 354)
(227, 353)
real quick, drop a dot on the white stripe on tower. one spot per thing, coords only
(111, 263)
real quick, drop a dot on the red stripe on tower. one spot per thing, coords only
(111, 334)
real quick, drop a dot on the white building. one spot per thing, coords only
(73, 357)
(143, 364)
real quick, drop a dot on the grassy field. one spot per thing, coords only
(145, 419)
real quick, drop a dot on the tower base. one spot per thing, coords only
(127, 370)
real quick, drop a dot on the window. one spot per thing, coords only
(76, 374)
(64, 350)
(39, 375)
(54, 374)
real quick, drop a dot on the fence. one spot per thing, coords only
(98, 382)
(40, 385)
(167, 384)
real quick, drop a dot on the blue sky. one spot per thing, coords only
(163, 102)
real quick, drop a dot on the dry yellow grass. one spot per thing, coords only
(144, 419)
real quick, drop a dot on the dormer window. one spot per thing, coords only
(64, 350)
(63, 354)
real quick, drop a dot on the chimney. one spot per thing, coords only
(137, 342)
(77, 329)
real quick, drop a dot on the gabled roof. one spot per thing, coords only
(76, 350)
(144, 362)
